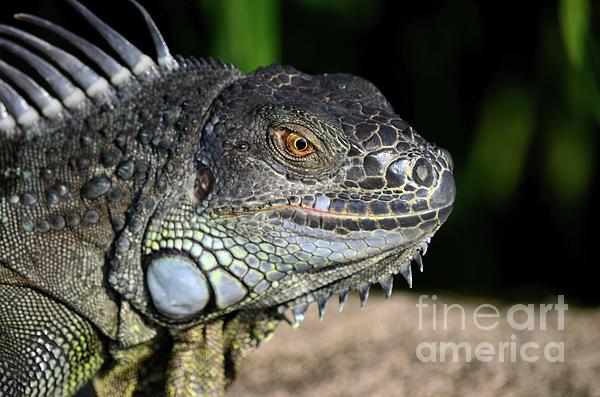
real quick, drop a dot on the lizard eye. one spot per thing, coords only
(296, 144)
(298, 149)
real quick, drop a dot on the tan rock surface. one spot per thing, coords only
(373, 353)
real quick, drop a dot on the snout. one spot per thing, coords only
(444, 195)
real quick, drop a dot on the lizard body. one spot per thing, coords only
(158, 218)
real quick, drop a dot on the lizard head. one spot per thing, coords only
(306, 187)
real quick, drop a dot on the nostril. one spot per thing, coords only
(422, 172)
(445, 193)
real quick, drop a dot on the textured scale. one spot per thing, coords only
(159, 216)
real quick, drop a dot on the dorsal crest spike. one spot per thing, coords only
(138, 62)
(90, 81)
(24, 114)
(7, 122)
(117, 73)
(49, 106)
(162, 50)
(70, 95)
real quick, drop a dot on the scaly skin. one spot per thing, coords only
(155, 235)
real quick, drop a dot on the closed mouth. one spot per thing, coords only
(346, 221)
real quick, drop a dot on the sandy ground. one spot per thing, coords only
(373, 353)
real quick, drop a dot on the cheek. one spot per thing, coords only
(240, 163)
(237, 179)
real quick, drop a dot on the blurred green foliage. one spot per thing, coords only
(246, 32)
(569, 163)
(499, 149)
(570, 154)
(574, 18)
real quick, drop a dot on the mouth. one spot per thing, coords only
(345, 212)
(347, 218)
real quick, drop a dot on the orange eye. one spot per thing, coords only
(297, 145)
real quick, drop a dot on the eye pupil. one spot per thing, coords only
(300, 144)
(294, 143)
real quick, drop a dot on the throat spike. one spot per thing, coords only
(343, 297)
(363, 292)
(323, 306)
(298, 313)
(406, 272)
(424, 248)
(387, 284)
(419, 260)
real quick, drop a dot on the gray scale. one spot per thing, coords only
(223, 257)
(228, 290)
(262, 286)
(266, 267)
(238, 269)
(274, 275)
(177, 287)
(252, 261)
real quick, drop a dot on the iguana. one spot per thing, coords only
(159, 217)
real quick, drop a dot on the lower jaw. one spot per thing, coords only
(359, 276)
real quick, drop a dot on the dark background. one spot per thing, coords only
(509, 88)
